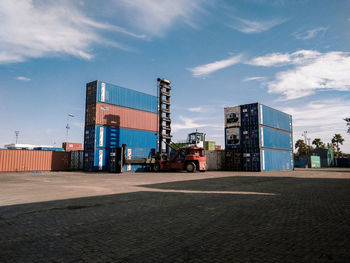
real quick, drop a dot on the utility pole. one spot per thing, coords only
(17, 133)
(67, 126)
(305, 136)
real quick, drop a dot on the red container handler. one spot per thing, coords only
(101, 114)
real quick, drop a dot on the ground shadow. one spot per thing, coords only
(308, 221)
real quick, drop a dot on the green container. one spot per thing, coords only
(209, 145)
(315, 161)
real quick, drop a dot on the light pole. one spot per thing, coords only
(67, 126)
(17, 133)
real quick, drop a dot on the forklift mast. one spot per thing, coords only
(164, 134)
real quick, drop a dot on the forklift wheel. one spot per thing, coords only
(156, 167)
(190, 167)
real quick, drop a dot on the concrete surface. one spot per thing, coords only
(298, 216)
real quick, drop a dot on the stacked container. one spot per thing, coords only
(115, 116)
(263, 135)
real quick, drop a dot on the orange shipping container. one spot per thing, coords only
(110, 115)
(25, 161)
(72, 146)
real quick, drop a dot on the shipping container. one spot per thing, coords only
(326, 156)
(76, 160)
(267, 160)
(106, 137)
(138, 153)
(72, 146)
(31, 160)
(98, 91)
(256, 113)
(255, 136)
(209, 145)
(57, 149)
(232, 116)
(342, 162)
(315, 162)
(232, 160)
(232, 138)
(100, 114)
(96, 159)
(215, 160)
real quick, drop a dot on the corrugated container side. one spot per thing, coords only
(26, 160)
(72, 146)
(276, 160)
(251, 160)
(120, 117)
(116, 95)
(271, 138)
(103, 136)
(274, 118)
(214, 160)
(233, 160)
(250, 136)
(96, 159)
(249, 114)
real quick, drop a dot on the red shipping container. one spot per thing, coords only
(110, 115)
(72, 146)
(26, 161)
(217, 147)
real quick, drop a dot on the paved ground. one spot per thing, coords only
(299, 216)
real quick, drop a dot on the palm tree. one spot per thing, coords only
(301, 147)
(318, 143)
(336, 140)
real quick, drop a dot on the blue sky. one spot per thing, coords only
(291, 55)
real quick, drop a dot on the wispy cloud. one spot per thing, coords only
(195, 109)
(23, 78)
(326, 71)
(186, 123)
(33, 29)
(251, 26)
(154, 17)
(311, 33)
(253, 79)
(214, 66)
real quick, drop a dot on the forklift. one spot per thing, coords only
(190, 158)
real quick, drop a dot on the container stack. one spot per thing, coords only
(115, 116)
(258, 138)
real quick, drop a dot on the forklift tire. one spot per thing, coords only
(190, 167)
(156, 167)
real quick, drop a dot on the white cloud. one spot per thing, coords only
(327, 71)
(33, 29)
(322, 119)
(311, 33)
(192, 123)
(214, 66)
(253, 79)
(195, 109)
(283, 59)
(155, 16)
(250, 26)
(23, 78)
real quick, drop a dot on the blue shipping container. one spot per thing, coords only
(255, 137)
(116, 95)
(49, 149)
(106, 137)
(96, 159)
(267, 160)
(256, 113)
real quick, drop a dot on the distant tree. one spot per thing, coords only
(318, 143)
(301, 147)
(336, 140)
(347, 123)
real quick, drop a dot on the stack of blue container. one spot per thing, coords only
(263, 134)
(100, 141)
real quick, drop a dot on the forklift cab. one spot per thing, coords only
(196, 139)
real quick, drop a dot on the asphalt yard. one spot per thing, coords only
(298, 216)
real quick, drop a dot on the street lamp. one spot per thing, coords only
(67, 126)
